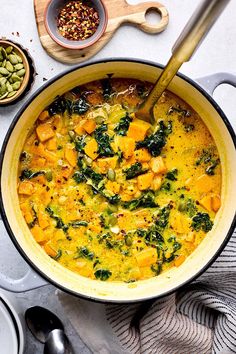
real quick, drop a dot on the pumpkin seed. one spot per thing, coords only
(48, 175)
(128, 240)
(112, 220)
(3, 80)
(13, 59)
(16, 85)
(19, 66)
(3, 89)
(4, 54)
(15, 77)
(4, 96)
(10, 94)
(19, 58)
(20, 72)
(9, 66)
(111, 175)
(9, 49)
(9, 87)
(4, 71)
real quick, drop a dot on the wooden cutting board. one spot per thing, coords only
(119, 12)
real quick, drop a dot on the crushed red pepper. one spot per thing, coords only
(77, 20)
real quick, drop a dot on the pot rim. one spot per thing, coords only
(2, 155)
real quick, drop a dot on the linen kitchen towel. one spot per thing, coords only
(199, 319)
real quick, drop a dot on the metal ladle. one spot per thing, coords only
(191, 37)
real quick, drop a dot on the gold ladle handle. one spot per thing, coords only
(190, 38)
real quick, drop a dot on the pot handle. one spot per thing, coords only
(31, 280)
(210, 82)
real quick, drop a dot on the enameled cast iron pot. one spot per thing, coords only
(49, 270)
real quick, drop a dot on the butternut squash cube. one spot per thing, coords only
(50, 251)
(106, 163)
(43, 219)
(57, 123)
(113, 187)
(206, 202)
(156, 183)
(180, 223)
(43, 116)
(142, 155)
(71, 155)
(52, 144)
(146, 257)
(44, 132)
(138, 129)
(215, 203)
(126, 145)
(37, 161)
(157, 165)
(91, 149)
(27, 212)
(38, 234)
(145, 180)
(89, 125)
(204, 183)
(79, 129)
(179, 260)
(26, 187)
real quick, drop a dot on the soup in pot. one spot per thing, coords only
(110, 196)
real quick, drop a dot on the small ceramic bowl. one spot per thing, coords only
(18, 51)
(50, 20)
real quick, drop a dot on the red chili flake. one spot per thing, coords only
(77, 21)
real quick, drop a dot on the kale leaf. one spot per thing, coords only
(78, 223)
(134, 171)
(187, 206)
(202, 221)
(28, 174)
(84, 252)
(156, 141)
(123, 125)
(80, 106)
(79, 142)
(208, 157)
(162, 217)
(171, 175)
(107, 88)
(59, 106)
(59, 223)
(103, 274)
(58, 255)
(103, 140)
(147, 200)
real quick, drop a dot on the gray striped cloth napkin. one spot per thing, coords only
(199, 319)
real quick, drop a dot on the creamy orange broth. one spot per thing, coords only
(112, 197)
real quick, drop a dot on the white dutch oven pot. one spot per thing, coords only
(65, 279)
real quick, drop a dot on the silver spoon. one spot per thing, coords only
(57, 343)
(41, 322)
(191, 37)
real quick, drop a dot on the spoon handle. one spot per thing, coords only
(197, 28)
(190, 38)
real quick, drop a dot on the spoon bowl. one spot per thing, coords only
(57, 343)
(41, 322)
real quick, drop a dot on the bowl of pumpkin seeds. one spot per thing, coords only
(14, 72)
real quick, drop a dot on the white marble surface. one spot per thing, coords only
(217, 54)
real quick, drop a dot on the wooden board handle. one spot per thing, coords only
(136, 14)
